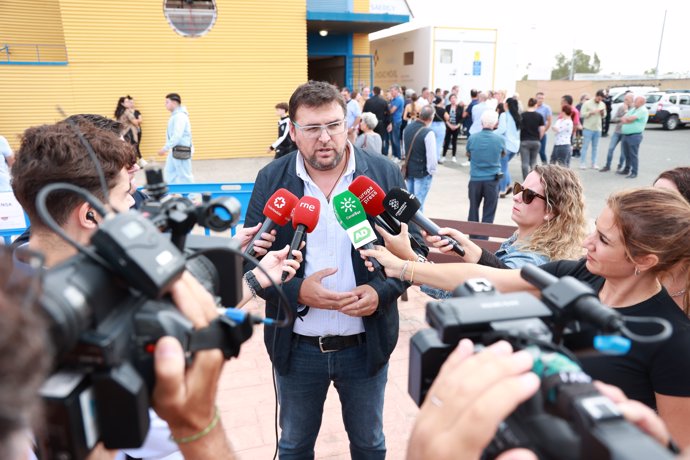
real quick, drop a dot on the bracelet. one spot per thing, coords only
(414, 262)
(252, 283)
(402, 272)
(202, 433)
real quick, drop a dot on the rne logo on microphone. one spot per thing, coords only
(394, 203)
(279, 202)
(309, 207)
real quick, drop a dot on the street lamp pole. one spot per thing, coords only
(661, 39)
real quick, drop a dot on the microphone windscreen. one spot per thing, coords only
(348, 209)
(279, 207)
(401, 204)
(370, 194)
(307, 213)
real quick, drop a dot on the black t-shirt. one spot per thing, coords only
(648, 368)
(529, 127)
(440, 112)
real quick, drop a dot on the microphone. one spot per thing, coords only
(572, 298)
(351, 216)
(371, 196)
(405, 207)
(278, 211)
(304, 219)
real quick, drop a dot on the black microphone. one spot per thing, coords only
(404, 206)
(304, 220)
(569, 296)
(371, 196)
(278, 211)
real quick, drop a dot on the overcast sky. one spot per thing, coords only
(624, 34)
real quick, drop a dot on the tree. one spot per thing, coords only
(584, 63)
(651, 71)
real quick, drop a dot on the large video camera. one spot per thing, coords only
(568, 419)
(108, 306)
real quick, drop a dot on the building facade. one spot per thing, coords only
(230, 60)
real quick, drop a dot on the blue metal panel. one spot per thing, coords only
(331, 45)
(329, 5)
(393, 19)
(241, 190)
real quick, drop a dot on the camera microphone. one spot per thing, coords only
(567, 296)
(278, 211)
(405, 207)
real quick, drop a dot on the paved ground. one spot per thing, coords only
(246, 396)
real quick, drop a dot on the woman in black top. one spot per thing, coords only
(453, 119)
(531, 131)
(639, 236)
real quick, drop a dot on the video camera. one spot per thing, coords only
(108, 306)
(568, 418)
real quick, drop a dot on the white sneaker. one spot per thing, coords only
(595, 167)
(465, 163)
(442, 160)
(455, 160)
(583, 167)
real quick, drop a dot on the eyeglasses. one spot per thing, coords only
(314, 131)
(528, 195)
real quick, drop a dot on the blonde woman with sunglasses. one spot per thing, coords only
(548, 208)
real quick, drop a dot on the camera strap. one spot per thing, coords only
(222, 333)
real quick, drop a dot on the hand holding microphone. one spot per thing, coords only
(405, 207)
(351, 216)
(278, 211)
(304, 220)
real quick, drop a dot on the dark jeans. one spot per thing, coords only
(451, 139)
(615, 140)
(631, 149)
(561, 154)
(486, 190)
(542, 149)
(302, 393)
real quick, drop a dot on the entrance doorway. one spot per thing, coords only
(327, 68)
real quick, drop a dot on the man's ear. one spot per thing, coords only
(293, 133)
(85, 216)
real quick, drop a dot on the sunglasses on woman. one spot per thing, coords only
(528, 195)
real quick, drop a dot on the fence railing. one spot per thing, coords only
(242, 191)
(32, 54)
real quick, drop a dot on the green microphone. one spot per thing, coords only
(352, 217)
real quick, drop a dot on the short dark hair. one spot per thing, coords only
(174, 97)
(54, 153)
(568, 98)
(474, 93)
(282, 105)
(376, 90)
(315, 94)
(99, 121)
(600, 93)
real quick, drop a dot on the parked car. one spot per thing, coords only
(671, 108)
(618, 93)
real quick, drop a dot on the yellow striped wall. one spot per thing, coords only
(229, 79)
(30, 22)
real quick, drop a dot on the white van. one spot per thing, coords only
(618, 93)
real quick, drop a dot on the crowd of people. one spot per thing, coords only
(347, 322)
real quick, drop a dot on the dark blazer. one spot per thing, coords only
(382, 326)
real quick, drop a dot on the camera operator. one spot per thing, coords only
(54, 153)
(640, 235)
(460, 415)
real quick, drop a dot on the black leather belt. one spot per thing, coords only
(329, 343)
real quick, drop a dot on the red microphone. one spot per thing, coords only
(278, 211)
(371, 195)
(304, 219)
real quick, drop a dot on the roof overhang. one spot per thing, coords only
(359, 23)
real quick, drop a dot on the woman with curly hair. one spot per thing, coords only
(548, 209)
